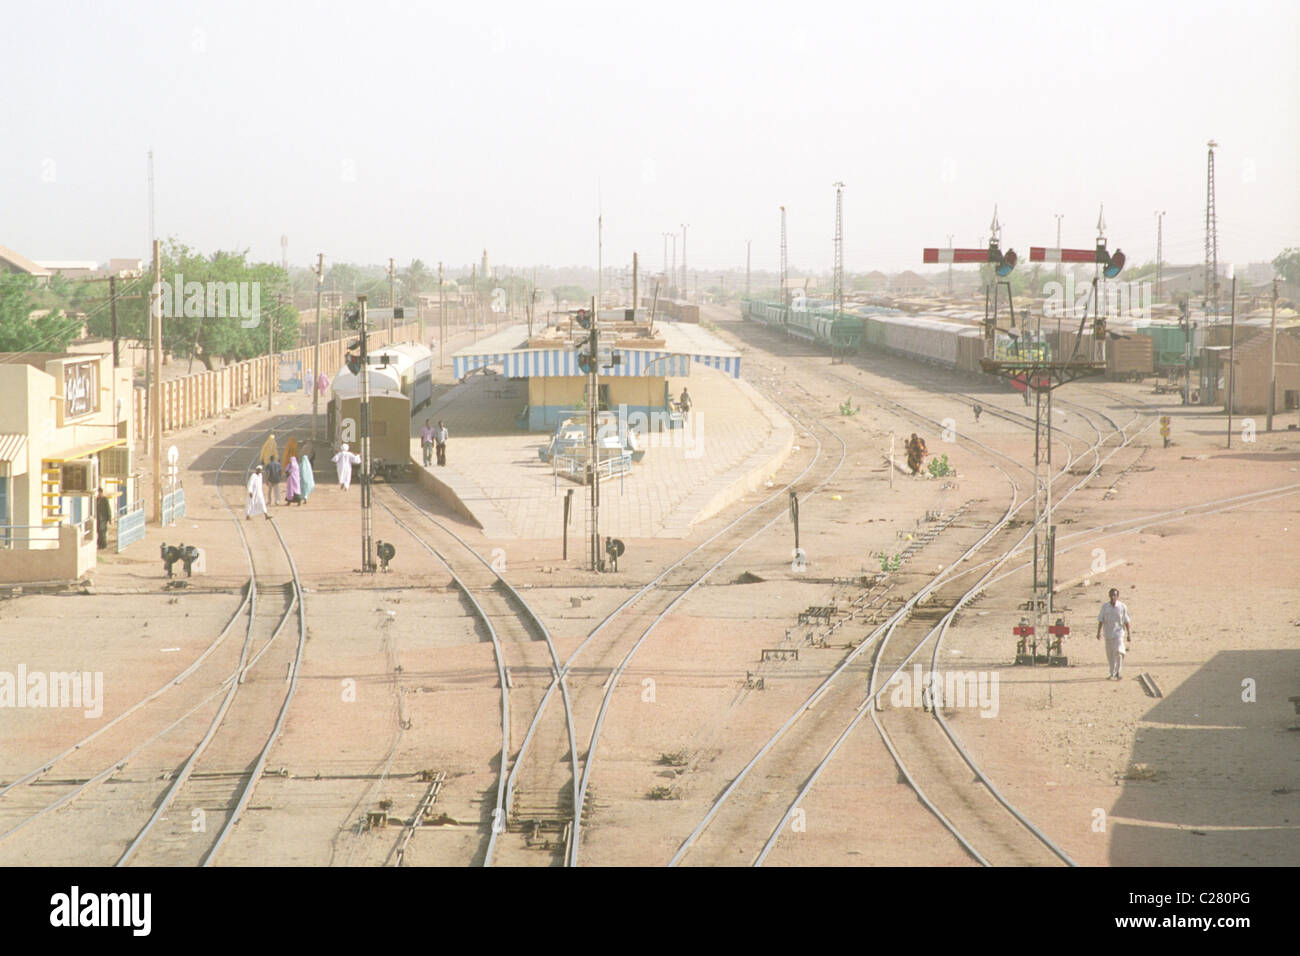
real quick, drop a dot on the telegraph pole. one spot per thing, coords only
(1232, 349)
(392, 299)
(747, 242)
(684, 227)
(473, 318)
(950, 264)
(634, 290)
(112, 311)
(1160, 251)
(270, 351)
(1059, 217)
(367, 534)
(1272, 358)
(315, 392)
(442, 321)
(155, 398)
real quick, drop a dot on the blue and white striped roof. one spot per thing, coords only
(671, 362)
(550, 363)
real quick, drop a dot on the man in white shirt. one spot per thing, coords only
(440, 436)
(1114, 620)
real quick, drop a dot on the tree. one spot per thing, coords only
(1287, 265)
(20, 331)
(227, 307)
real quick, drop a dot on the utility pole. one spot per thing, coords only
(837, 286)
(1160, 252)
(1059, 217)
(270, 351)
(442, 321)
(392, 299)
(785, 298)
(1272, 357)
(112, 311)
(473, 317)
(316, 370)
(950, 266)
(634, 290)
(684, 227)
(155, 397)
(367, 528)
(1211, 238)
(1232, 351)
(672, 285)
(747, 242)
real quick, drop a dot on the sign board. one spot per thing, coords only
(80, 388)
(290, 375)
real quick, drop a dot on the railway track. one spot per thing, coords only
(209, 792)
(260, 667)
(734, 810)
(536, 793)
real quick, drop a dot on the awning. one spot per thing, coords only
(85, 451)
(550, 363)
(11, 446)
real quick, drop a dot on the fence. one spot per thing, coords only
(173, 506)
(203, 395)
(130, 528)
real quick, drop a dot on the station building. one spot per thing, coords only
(642, 358)
(65, 431)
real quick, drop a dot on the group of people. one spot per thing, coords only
(292, 468)
(431, 438)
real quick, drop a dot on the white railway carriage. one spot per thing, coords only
(414, 367)
(396, 390)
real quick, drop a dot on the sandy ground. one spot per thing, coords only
(397, 678)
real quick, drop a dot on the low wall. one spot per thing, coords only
(72, 559)
(442, 491)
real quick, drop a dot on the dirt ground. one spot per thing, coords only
(397, 679)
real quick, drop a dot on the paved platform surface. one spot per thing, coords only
(735, 440)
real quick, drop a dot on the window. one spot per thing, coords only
(1290, 400)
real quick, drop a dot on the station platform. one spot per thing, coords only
(734, 441)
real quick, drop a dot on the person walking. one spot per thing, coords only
(440, 435)
(426, 442)
(343, 463)
(274, 471)
(103, 516)
(293, 483)
(685, 402)
(1113, 619)
(916, 452)
(308, 478)
(256, 504)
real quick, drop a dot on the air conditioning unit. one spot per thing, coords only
(79, 477)
(115, 462)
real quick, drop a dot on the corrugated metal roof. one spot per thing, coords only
(11, 446)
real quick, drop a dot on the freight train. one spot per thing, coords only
(401, 384)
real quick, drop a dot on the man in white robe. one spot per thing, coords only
(256, 496)
(343, 463)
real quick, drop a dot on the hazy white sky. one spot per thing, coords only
(430, 130)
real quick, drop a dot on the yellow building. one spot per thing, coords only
(65, 432)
